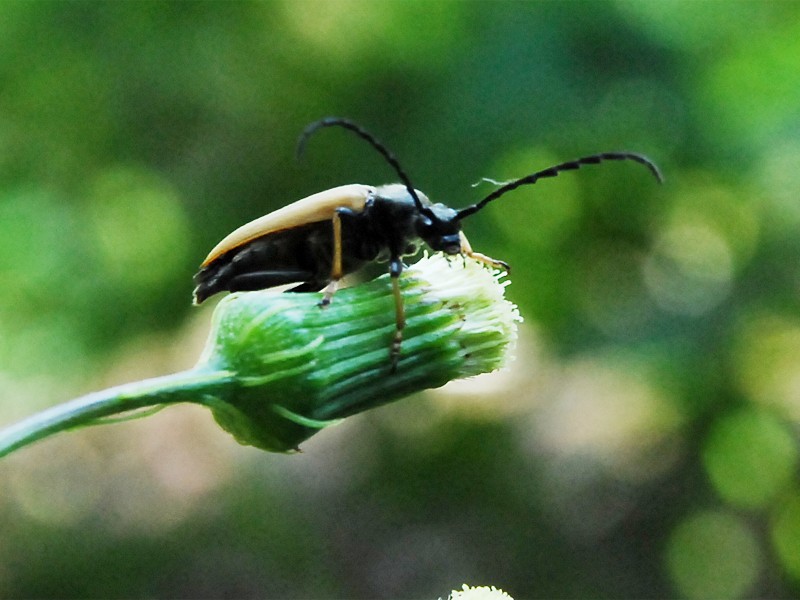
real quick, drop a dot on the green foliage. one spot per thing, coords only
(645, 443)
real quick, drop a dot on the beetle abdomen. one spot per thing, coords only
(298, 255)
(274, 259)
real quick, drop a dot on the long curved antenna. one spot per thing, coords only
(554, 171)
(368, 137)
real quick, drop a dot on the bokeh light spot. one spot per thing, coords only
(690, 269)
(764, 105)
(347, 29)
(605, 408)
(786, 535)
(730, 212)
(766, 356)
(778, 180)
(31, 219)
(41, 256)
(58, 482)
(139, 226)
(713, 555)
(750, 456)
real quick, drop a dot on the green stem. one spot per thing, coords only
(185, 386)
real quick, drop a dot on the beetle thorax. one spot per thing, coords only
(396, 212)
(435, 224)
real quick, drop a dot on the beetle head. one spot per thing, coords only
(439, 227)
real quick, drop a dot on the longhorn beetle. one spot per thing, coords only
(317, 240)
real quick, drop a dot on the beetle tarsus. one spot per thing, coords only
(328, 292)
(466, 250)
(490, 262)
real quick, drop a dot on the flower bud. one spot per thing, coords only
(299, 367)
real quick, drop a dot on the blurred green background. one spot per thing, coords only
(643, 444)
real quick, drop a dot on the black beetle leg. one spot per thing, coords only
(395, 268)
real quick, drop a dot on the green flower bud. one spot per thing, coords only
(277, 368)
(300, 367)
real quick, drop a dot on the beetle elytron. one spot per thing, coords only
(315, 241)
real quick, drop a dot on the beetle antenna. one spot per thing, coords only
(368, 137)
(556, 170)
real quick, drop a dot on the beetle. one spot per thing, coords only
(315, 241)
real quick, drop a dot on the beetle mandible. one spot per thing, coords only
(315, 241)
